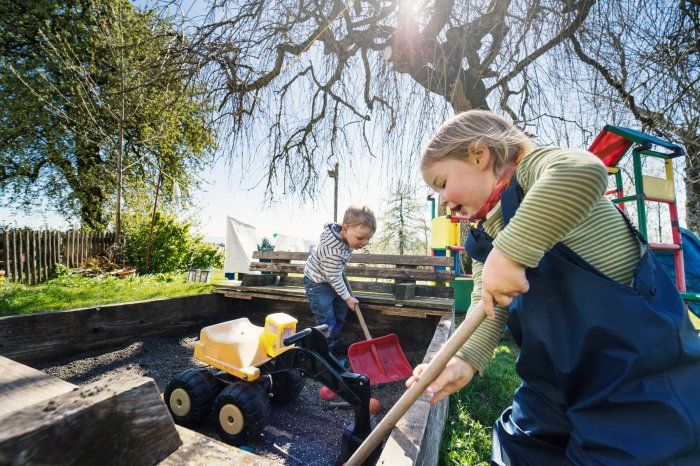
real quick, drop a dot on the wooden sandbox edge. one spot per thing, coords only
(416, 438)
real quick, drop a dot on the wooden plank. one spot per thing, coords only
(422, 306)
(394, 259)
(22, 386)
(6, 253)
(49, 250)
(39, 337)
(121, 419)
(424, 302)
(42, 255)
(14, 255)
(258, 280)
(371, 272)
(66, 248)
(30, 257)
(402, 311)
(416, 438)
(199, 449)
(18, 259)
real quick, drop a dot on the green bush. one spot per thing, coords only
(174, 247)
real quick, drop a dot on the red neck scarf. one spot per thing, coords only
(495, 196)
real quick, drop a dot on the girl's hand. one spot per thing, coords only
(456, 374)
(501, 280)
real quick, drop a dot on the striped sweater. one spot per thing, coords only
(327, 261)
(563, 202)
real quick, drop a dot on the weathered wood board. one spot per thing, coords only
(43, 336)
(416, 438)
(120, 420)
(22, 386)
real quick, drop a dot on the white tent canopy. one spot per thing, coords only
(241, 242)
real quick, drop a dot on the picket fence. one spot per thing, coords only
(30, 256)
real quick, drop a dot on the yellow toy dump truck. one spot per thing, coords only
(252, 366)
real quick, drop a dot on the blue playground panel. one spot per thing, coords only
(691, 260)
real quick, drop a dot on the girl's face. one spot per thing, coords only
(463, 184)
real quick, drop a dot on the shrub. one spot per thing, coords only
(174, 247)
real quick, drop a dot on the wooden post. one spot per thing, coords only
(29, 256)
(42, 255)
(76, 257)
(56, 248)
(35, 258)
(6, 253)
(71, 242)
(66, 248)
(18, 259)
(13, 240)
(47, 254)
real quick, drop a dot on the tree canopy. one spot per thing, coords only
(71, 73)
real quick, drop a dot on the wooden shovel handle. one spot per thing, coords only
(435, 367)
(357, 311)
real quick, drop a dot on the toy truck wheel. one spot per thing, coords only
(242, 410)
(190, 395)
(286, 386)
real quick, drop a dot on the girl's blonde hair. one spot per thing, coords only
(464, 133)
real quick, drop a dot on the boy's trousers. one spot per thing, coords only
(328, 308)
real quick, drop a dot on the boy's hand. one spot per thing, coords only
(352, 302)
(501, 280)
(456, 374)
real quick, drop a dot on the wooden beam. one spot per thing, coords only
(121, 419)
(275, 292)
(45, 336)
(22, 386)
(200, 449)
(258, 280)
(371, 272)
(364, 258)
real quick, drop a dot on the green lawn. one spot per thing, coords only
(473, 411)
(73, 291)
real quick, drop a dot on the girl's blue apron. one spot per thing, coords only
(610, 373)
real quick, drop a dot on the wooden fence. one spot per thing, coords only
(28, 256)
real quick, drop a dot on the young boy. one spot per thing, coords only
(323, 274)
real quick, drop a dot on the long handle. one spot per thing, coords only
(357, 311)
(449, 349)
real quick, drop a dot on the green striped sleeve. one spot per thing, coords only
(478, 350)
(563, 186)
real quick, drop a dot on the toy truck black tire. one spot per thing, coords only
(241, 411)
(286, 386)
(190, 395)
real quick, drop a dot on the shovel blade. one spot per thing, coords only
(381, 359)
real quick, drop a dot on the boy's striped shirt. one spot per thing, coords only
(327, 261)
(564, 202)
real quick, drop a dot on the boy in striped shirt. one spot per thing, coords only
(323, 273)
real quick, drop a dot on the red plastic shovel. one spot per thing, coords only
(381, 359)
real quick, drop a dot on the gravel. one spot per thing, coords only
(308, 431)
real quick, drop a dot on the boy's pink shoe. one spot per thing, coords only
(326, 394)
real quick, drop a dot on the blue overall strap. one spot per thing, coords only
(597, 356)
(478, 243)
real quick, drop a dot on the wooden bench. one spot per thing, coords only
(391, 284)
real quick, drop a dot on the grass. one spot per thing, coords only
(74, 291)
(473, 411)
